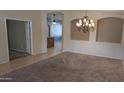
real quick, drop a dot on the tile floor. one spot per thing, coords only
(16, 54)
(24, 61)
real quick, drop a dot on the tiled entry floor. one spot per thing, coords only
(16, 54)
(27, 60)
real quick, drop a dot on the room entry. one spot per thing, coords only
(19, 38)
(54, 39)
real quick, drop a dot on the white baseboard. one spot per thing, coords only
(4, 61)
(80, 52)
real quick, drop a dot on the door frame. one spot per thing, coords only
(30, 34)
(62, 27)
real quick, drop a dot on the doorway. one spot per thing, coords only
(19, 38)
(54, 38)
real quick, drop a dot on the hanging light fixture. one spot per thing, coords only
(54, 19)
(85, 24)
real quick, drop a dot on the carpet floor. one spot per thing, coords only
(69, 67)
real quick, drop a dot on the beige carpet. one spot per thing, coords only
(69, 67)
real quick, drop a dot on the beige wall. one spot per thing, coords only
(33, 16)
(91, 47)
(39, 34)
(44, 27)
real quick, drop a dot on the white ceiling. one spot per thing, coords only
(111, 11)
(59, 15)
(118, 11)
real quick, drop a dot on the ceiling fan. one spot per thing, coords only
(54, 19)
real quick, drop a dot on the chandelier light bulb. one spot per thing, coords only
(91, 21)
(93, 24)
(84, 20)
(90, 25)
(87, 23)
(78, 25)
(80, 21)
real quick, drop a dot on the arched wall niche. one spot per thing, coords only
(76, 33)
(109, 29)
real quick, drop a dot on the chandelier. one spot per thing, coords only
(85, 24)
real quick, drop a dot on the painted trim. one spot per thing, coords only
(85, 53)
(19, 19)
